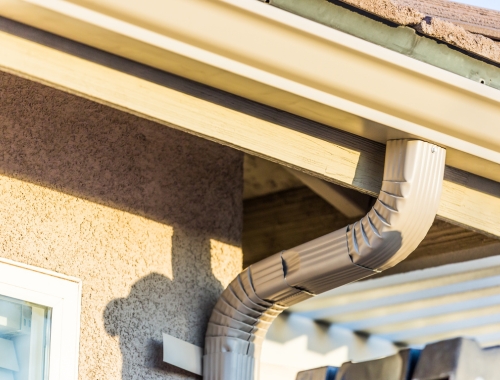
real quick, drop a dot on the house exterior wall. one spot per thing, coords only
(148, 217)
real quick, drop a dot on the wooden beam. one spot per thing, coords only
(263, 177)
(350, 203)
(298, 143)
(282, 220)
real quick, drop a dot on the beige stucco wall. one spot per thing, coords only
(149, 218)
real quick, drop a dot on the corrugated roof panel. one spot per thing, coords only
(418, 307)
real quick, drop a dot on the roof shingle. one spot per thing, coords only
(469, 28)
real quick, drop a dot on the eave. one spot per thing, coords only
(288, 62)
(280, 60)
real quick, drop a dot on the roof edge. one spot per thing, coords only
(406, 31)
(434, 27)
(289, 62)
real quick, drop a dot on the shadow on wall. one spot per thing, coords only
(184, 184)
(157, 305)
(94, 152)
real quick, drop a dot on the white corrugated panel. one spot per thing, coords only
(418, 307)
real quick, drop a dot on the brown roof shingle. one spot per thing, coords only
(473, 19)
(466, 27)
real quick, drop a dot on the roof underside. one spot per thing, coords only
(281, 211)
(456, 300)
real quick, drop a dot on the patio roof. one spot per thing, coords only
(419, 307)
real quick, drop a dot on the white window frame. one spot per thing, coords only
(63, 295)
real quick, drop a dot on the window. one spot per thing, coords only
(39, 323)
(24, 340)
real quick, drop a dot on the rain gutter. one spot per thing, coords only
(392, 229)
(274, 57)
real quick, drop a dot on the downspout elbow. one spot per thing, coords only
(392, 229)
(405, 208)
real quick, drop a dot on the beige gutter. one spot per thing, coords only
(279, 59)
(392, 229)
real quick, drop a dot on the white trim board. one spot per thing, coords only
(182, 354)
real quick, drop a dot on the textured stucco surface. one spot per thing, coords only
(149, 218)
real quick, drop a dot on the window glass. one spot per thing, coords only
(24, 340)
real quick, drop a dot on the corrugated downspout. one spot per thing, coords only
(393, 228)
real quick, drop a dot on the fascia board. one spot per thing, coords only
(276, 58)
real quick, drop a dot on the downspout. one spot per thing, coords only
(392, 229)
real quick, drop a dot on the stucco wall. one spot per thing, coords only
(148, 217)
